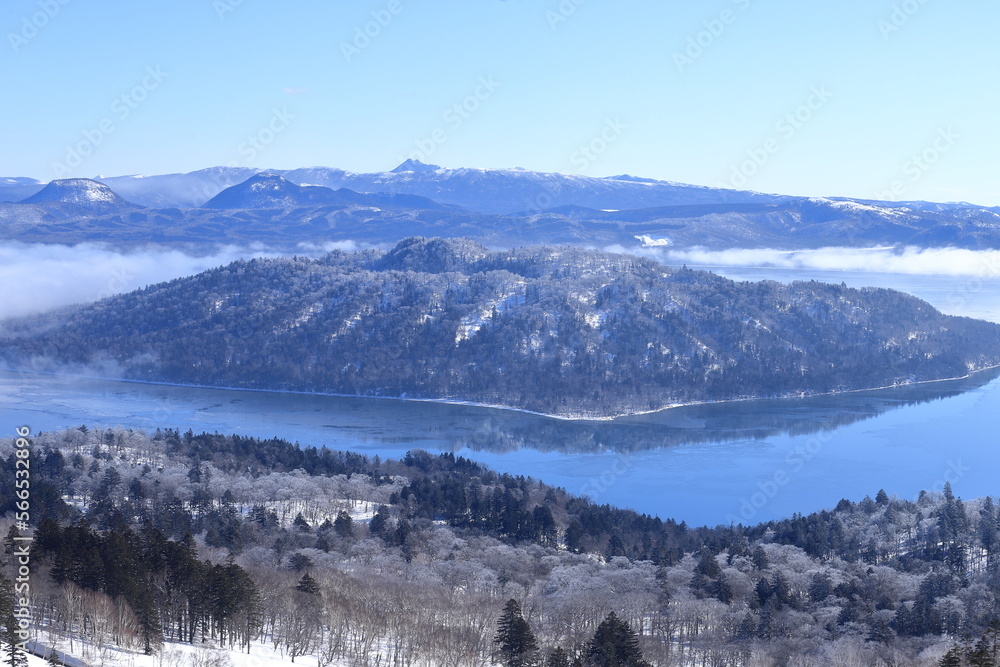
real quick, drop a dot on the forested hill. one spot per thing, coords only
(342, 559)
(557, 330)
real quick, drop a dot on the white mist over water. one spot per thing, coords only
(36, 277)
(967, 296)
(953, 280)
(983, 264)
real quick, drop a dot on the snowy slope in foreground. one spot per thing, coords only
(171, 655)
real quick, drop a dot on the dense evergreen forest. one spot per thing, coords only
(143, 538)
(556, 330)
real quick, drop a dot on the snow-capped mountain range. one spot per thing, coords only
(482, 190)
(495, 206)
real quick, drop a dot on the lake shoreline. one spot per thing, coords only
(474, 404)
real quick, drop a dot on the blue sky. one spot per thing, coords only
(862, 98)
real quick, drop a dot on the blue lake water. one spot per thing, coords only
(707, 464)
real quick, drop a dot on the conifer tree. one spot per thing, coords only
(378, 522)
(307, 585)
(952, 658)
(343, 524)
(615, 644)
(14, 656)
(557, 658)
(11, 539)
(514, 639)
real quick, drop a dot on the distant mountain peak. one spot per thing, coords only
(415, 166)
(268, 180)
(269, 190)
(80, 191)
(264, 190)
(432, 255)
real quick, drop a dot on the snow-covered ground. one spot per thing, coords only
(171, 655)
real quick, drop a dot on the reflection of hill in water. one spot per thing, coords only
(366, 423)
(717, 422)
